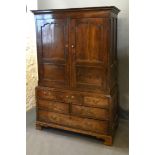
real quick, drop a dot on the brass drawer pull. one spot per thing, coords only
(54, 118)
(72, 46)
(72, 97)
(45, 93)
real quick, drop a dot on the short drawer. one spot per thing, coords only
(73, 122)
(100, 102)
(53, 106)
(51, 95)
(88, 112)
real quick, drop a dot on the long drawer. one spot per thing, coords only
(73, 121)
(77, 110)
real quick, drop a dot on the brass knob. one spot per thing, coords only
(72, 97)
(45, 93)
(67, 96)
(72, 46)
(54, 117)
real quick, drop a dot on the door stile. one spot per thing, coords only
(67, 53)
(72, 52)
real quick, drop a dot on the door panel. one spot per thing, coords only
(53, 41)
(88, 42)
(89, 53)
(53, 54)
(88, 76)
(54, 72)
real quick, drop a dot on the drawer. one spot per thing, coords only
(75, 98)
(100, 102)
(88, 112)
(67, 96)
(53, 106)
(72, 97)
(52, 95)
(73, 121)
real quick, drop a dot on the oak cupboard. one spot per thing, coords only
(77, 70)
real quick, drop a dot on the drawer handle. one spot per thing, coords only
(72, 97)
(54, 118)
(88, 124)
(45, 93)
(66, 45)
(72, 46)
(67, 96)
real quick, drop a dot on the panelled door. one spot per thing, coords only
(52, 42)
(88, 45)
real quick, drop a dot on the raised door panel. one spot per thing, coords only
(89, 47)
(52, 52)
(53, 40)
(88, 41)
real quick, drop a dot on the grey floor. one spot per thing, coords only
(58, 142)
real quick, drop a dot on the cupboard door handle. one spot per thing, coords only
(72, 46)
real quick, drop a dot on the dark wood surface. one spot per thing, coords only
(103, 8)
(77, 69)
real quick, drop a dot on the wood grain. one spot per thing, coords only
(77, 70)
(73, 121)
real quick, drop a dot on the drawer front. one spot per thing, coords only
(76, 98)
(88, 112)
(53, 106)
(74, 122)
(99, 102)
(52, 95)
(67, 97)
